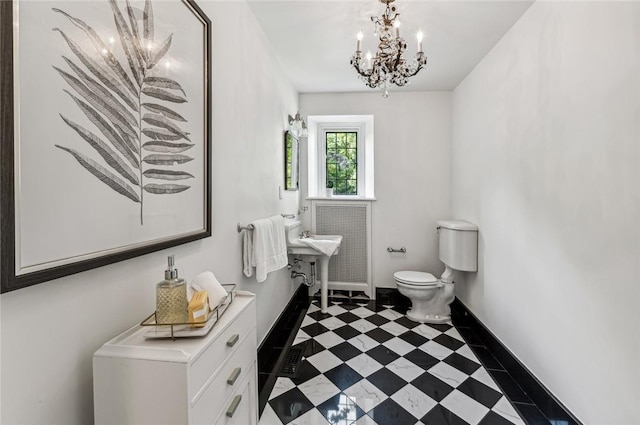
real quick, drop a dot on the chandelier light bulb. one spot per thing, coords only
(420, 36)
(359, 45)
(396, 25)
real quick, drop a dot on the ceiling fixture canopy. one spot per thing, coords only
(387, 66)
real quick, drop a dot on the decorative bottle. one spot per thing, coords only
(171, 297)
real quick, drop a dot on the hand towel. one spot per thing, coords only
(269, 246)
(327, 247)
(247, 252)
(206, 281)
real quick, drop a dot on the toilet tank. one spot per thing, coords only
(458, 244)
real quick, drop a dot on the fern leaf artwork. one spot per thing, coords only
(136, 143)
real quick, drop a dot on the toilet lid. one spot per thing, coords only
(415, 278)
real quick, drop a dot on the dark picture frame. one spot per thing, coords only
(291, 161)
(168, 152)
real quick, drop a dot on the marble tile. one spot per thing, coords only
(453, 332)
(483, 376)
(307, 321)
(362, 312)
(466, 352)
(329, 339)
(399, 346)
(448, 374)
(269, 417)
(394, 328)
(335, 310)
(506, 410)
(426, 331)
(340, 410)
(363, 342)
(364, 420)
(319, 389)
(365, 394)
(405, 369)
(364, 365)
(414, 401)
(332, 323)
(281, 386)
(465, 407)
(312, 417)
(390, 314)
(363, 325)
(438, 351)
(324, 361)
(301, 336)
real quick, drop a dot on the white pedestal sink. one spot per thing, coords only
(296, 246)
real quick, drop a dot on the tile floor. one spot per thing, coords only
(366, 364)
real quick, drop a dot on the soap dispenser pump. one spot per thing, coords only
(171, 297)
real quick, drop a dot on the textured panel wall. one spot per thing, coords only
(350, 221)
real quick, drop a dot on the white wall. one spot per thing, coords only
(546, 160)
(50, 331)
(412, 132)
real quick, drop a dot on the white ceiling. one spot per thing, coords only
(315, 39)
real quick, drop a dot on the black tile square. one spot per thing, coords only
(311, 347)
(318, 315)
(493, 418)
(306, 371)
(462, 363)
(509, 387)
(345, 351)
(348, 317)
(282, 404)
(432, 386)
(390, 412)
(373, 306)
(382, 354)
(379, 335)
(377, 320)
(350, 306)
(347, 332)
(406, 322)
(340, 409)
(314, 329)
(480, 392)
(387, 381)
(343, 376)
(442, 327)
(413, 338)
(402, 309)
(422, 359)
(439, 415)
(448, 341)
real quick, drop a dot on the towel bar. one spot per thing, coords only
(241, 227)
(403, 249)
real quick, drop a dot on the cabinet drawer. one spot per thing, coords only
(211, 399)
(242, 406)
(216, 354)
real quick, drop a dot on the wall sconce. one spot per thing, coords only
(297, 126)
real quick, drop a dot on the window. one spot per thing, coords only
(340, 155)
(341, 162)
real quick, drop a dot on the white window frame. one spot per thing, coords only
(325, 128)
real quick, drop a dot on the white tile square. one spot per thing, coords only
(335, 310)
(329, 339)
(483, 376)
(363, 342)
(324, 361)
(269, 417)
(394, 328)
(281, 386)
(465, 407)
(390, 314)
(506, 410)
(332, 323)
(301, 336)
(312, 417)
(362, 312)
(308, 320)
(364, 420)
(448, 374)
(426, 331)
(405, 369)
(466, 352)
(453, 332)
(436, 350)
(414, 401)
(362, 325)
(399, 346)
(364, 365)
(365, 394)
(319, 389)
(313, 307)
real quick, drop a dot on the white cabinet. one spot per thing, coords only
(201, 381)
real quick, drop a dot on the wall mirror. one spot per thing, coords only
(291, 161)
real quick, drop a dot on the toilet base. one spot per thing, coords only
(427, 318)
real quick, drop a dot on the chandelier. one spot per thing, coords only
(387, 66)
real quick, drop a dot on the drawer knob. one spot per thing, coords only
(234, 405)
(234, 375)
(233, 340)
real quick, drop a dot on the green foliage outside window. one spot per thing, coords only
(342, 162)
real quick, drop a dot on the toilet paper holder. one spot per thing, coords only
(403, 249)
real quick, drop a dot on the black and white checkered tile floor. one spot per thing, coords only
(366, 364)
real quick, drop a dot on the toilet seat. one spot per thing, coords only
(415, 278)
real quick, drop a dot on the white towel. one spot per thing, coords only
(247, 252)
(206, 281)
(269, 246)
(327, 247)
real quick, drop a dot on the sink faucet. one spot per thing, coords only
(305, 234)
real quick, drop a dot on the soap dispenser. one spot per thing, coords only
(171, 297)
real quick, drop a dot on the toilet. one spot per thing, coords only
(430, 297)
